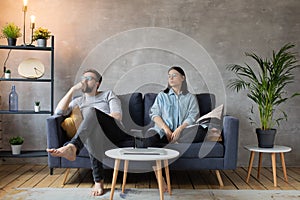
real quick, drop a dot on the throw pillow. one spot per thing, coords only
(71, 124)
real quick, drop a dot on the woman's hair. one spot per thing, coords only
(184, 88)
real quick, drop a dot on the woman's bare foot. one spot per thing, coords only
(98, 189)
(68, 152)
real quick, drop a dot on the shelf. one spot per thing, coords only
(25, 112)
(47, 79)
(24, 79)
(26, 48)
(24, 154)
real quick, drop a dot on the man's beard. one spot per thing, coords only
(87, 89)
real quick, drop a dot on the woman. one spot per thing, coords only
(173, 110)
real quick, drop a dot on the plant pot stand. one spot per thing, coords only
(276, 149)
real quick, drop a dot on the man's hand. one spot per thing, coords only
(78, 86)
(64, 102)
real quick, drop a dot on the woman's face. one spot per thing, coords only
(175, 78)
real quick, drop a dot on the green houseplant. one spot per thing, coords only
(16, 144)
(11, 32)
(41, 35)
(17, 140)
(266, 88)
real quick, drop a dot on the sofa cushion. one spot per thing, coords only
(199, 150)
(133, 110)
(149, 99)
(206, 102)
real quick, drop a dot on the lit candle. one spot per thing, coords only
(32, 21)
(32, 18)
(25, 5)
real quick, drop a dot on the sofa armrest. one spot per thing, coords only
(230, 140)
(56, 137)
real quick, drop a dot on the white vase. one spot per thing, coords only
(16, 149)
(7, 75)
(36, 108)
(41, 42)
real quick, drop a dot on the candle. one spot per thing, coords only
(32, 21)
(32, 18)
(25, 5)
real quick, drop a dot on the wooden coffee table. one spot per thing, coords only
(276, 149)
(136, 154)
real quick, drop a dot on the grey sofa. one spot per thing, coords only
(196, 156)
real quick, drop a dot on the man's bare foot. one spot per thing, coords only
(68, 152)
(98, 189)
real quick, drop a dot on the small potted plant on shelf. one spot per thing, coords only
(11, 32)
(16, 144)
(36, 106)
(41, 35)
(7, 74)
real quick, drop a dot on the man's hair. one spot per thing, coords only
(98, 75)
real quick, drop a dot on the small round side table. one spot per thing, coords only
(276, 149)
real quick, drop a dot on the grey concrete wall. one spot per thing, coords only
(133, 42)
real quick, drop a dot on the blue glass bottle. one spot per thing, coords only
(13, 99)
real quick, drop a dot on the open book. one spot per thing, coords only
(213, 118)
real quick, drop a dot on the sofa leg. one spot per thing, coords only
(219, 178)
(51, 171)
(66, 176)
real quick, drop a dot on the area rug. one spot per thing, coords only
(151, 194)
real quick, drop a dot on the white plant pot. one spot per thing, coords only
(41, 42)
(7, 75)
(37, 108)
(16, 149)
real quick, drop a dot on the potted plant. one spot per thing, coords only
(36, 106)
(266, 86)
(7, 74)
(11, 32)
(41, 35)
(16, 144)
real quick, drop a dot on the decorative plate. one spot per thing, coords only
(31, 68)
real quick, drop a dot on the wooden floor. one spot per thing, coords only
(26, 175)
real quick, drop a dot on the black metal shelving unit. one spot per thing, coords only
(32, 153)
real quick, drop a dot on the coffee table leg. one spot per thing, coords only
(273, 156)
(259, 164)
(160, 179)
(250, 166)
(168, 176)
(283, 167)
(125, 175)
(114, 180)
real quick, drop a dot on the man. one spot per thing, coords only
(99, 109)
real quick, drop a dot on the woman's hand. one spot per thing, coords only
(168, 133)
(176, 134)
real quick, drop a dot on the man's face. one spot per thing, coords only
(89, 83)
